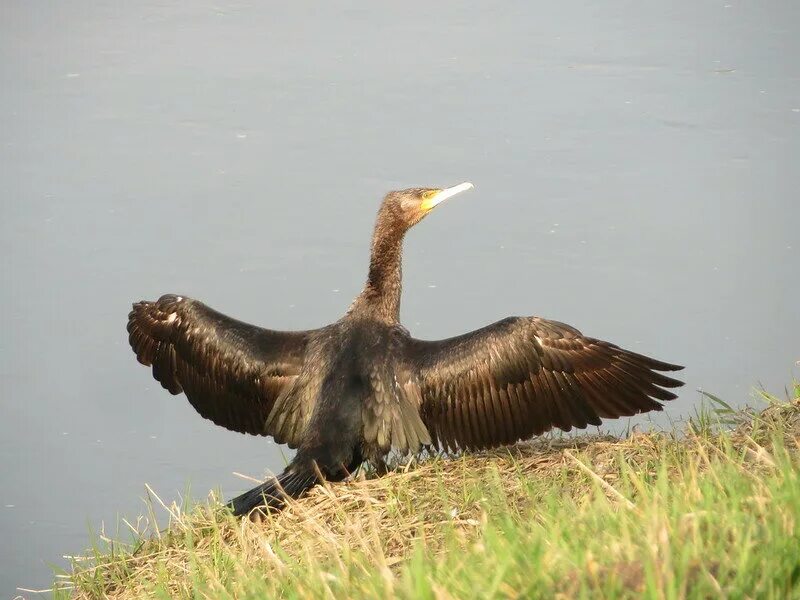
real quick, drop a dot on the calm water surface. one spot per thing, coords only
(636, 171)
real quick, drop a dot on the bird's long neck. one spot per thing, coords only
(381, 295)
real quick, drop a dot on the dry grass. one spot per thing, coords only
(569, 516)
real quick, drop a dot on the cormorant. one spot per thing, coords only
(355, 389)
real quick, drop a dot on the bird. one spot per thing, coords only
(357, 389)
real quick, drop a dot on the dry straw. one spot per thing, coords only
(383, 520)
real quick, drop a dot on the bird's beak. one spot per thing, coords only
(444, 194)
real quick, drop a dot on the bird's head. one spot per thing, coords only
(408, 207)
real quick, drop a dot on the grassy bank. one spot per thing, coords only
(711, 510)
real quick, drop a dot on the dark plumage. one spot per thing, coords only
(362, 386)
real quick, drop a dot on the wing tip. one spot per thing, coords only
(659, 365)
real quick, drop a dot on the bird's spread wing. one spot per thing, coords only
(231, 372)
(524, 375)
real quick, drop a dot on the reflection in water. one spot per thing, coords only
(634, 172)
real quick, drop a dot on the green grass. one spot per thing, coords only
(706, 512)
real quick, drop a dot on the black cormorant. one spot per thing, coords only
(355, 389)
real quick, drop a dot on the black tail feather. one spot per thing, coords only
(273, 493)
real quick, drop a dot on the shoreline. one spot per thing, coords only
(702, 511)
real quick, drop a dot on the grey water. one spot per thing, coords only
(636, 173)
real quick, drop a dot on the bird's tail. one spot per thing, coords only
(273, 493)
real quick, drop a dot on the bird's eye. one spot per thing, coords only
(427, 195)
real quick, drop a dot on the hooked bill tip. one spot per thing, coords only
(461, 187)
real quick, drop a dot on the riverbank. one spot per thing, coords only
(712, 509)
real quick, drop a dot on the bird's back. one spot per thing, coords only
(366, 396)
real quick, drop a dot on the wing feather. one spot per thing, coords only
(525, 375)
(230, 371)
(509, 412)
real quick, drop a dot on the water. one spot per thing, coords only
(635, 169)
